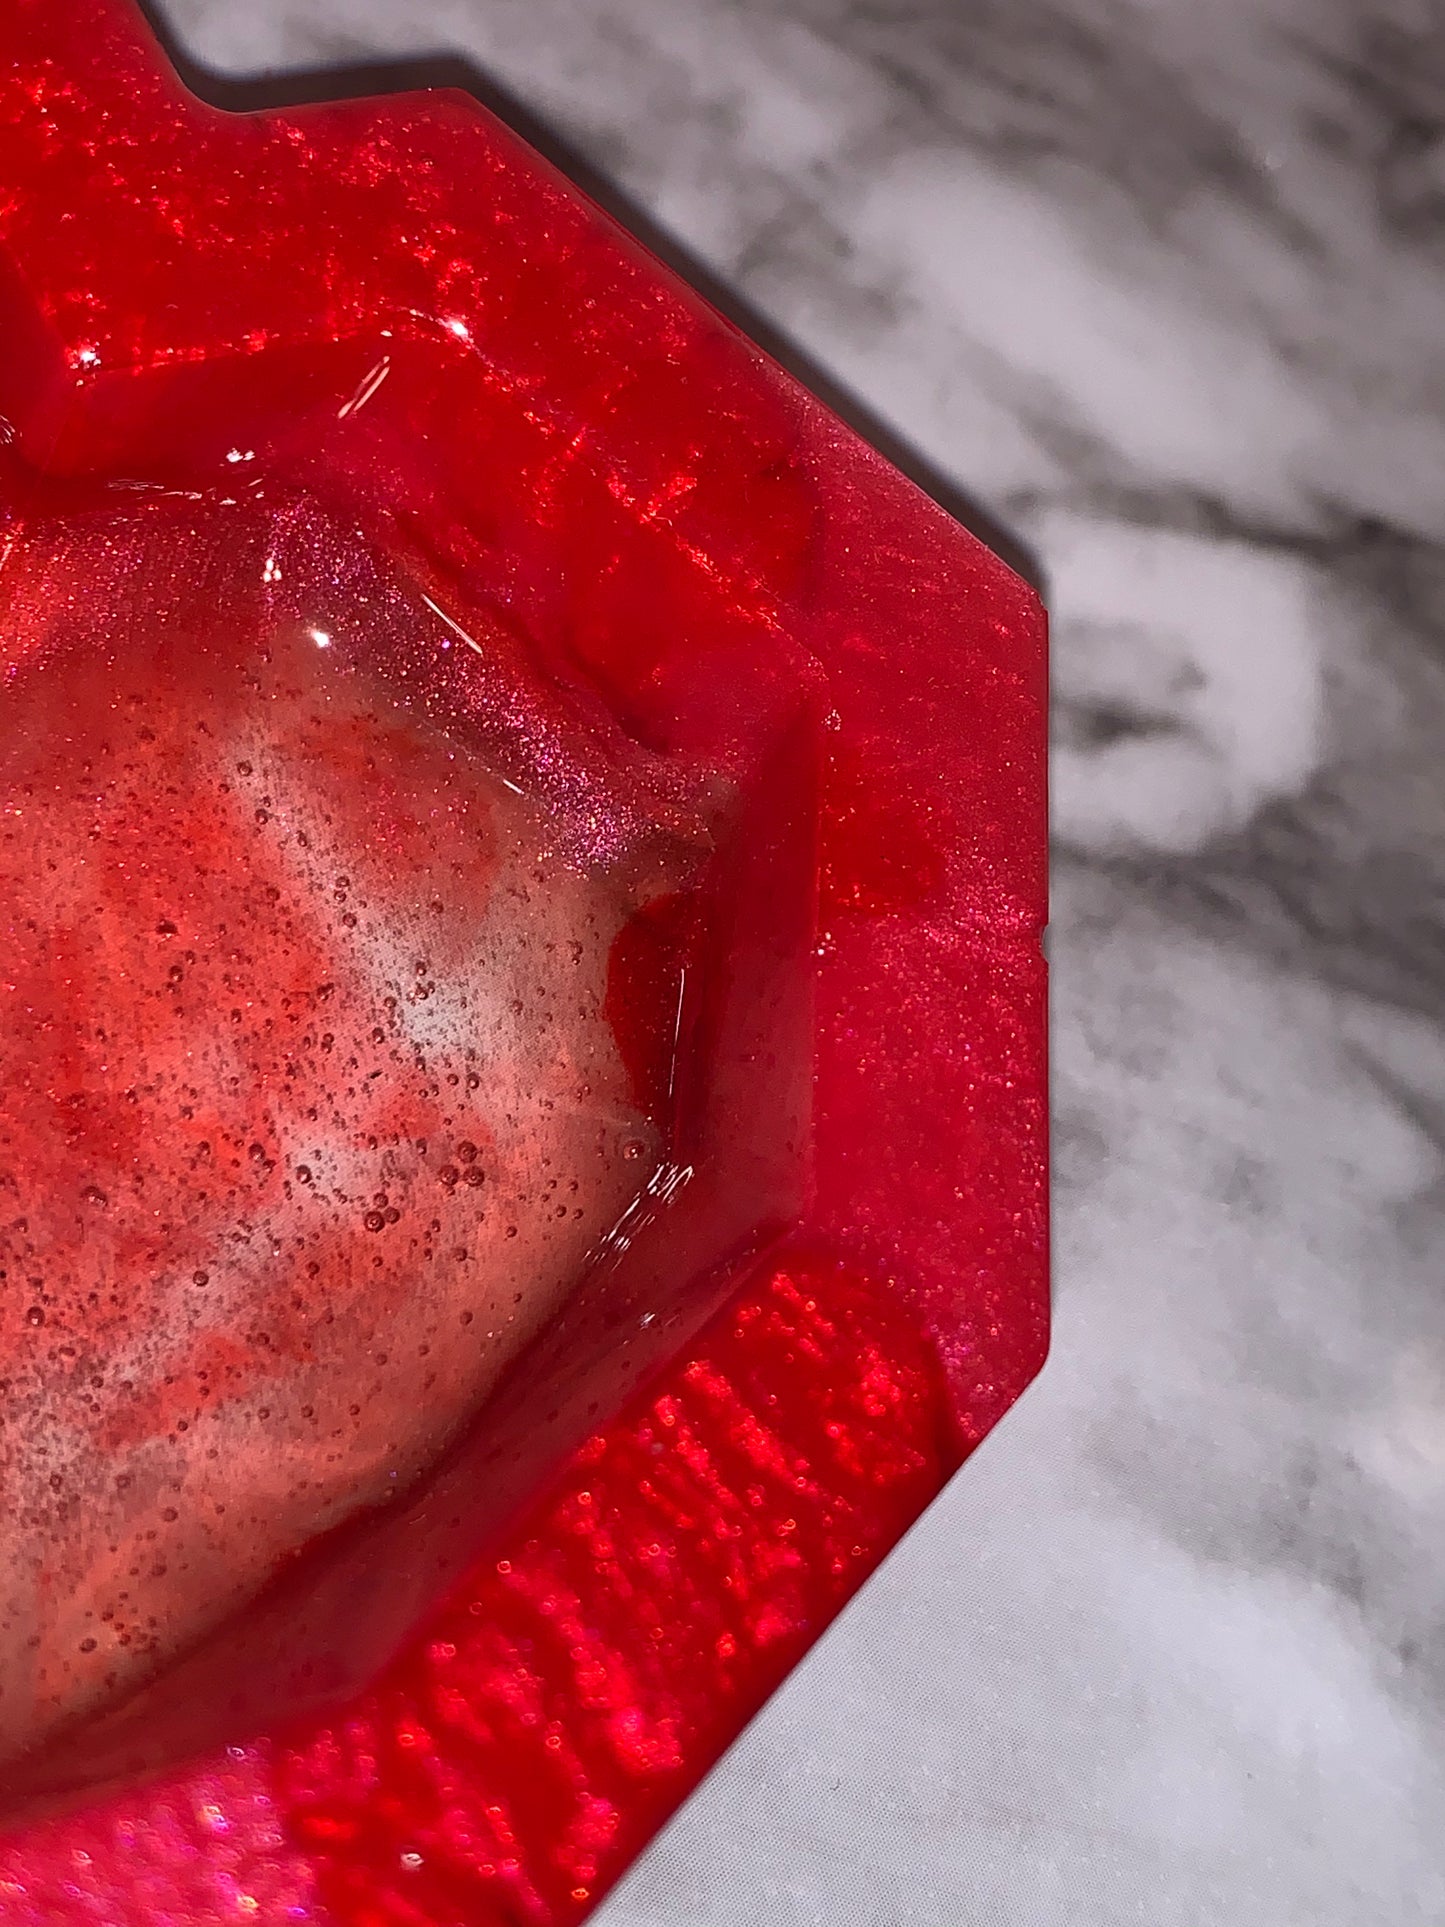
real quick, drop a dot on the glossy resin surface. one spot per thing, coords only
(521, 1160)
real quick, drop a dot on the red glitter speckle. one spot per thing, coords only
(219, 867)
(672, 1544)
(660, 523)
(877, 855)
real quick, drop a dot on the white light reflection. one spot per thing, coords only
(455, 627)
(367, 387)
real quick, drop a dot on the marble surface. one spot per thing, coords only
(1158, 284)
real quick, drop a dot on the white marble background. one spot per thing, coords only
(1158, 281)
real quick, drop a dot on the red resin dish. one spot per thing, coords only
(521, 1082)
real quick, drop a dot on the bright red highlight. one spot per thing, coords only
(783, 716)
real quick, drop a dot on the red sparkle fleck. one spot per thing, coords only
(605, 504)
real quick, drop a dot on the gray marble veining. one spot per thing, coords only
(1160, 283)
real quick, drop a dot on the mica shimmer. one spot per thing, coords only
(395, 310)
